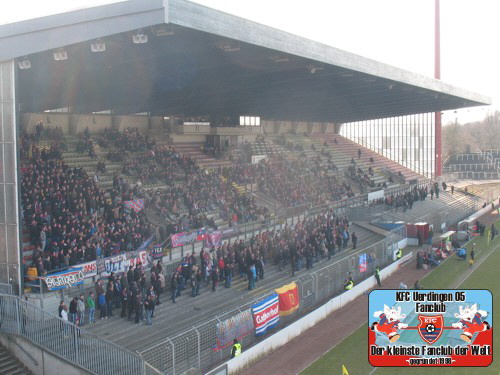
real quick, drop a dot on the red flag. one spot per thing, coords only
(289, 298)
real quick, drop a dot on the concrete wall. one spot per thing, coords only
(123, 122)
(76, 124)
(176, 138)
(39, 361)
(95, 123)
(282, 337)
(50, 120)
(158, 123)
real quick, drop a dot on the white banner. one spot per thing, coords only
(140, 257)
(89, 269)
(375, 195)
(120, 263)
(64, 279)
(115, 264)
(257, 158)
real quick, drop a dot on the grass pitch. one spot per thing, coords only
(452, 274)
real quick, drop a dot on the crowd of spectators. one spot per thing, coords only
(308, 241)
(160, 164)
(186, 187)
(403, 200)
(132, 296)
(294, 182)
(130, 139)
(70, 219)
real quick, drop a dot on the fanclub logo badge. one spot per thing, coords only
(430, 327)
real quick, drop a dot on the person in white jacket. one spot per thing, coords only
(64, 316)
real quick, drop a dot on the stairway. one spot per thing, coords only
(240, 189)
(10, 365)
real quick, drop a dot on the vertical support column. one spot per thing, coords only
(10, 252)
(437, 75)
(438, 147)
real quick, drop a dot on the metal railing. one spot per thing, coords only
(470, 175)
(6, 288)
(68, 341)
(474, 167)
(194, 348)
(441, 221)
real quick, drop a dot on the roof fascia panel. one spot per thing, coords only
(45, 33)
(199, 17)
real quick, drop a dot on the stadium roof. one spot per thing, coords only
(196, 60)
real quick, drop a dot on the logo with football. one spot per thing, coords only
(430, 327)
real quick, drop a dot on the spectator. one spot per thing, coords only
(64, 317)
(91, 307)
(124, 301)
(73, 310)
(80, 308)
(138, 307)
(149, 305)
(102, 305)
(110, 295)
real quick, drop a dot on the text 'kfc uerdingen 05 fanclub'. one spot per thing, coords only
(416, 328)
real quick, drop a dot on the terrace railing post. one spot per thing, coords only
(199, 346)
(75, 340)
(173, 356)
(18, 320)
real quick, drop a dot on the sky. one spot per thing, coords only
(396, 32)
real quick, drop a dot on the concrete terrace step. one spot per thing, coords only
(351, 148)
(10, 365)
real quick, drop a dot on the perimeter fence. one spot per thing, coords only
(196, 347)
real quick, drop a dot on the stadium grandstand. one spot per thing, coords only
(162, 150)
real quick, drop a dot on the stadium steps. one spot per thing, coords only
(432, 211)
(175, 318)
(351, 148)
(10, 365)
(274, 206)
(265, 148)
(364, 162)
(240, 189)
(194, 151)
(341, 160)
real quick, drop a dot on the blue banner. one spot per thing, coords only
(157, 251)
(64, 279)
(363, 263)
(266, 314)
(146, 243)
